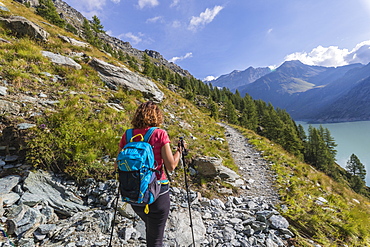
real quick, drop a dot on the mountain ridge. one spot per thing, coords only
(237, 78)
(304, 90)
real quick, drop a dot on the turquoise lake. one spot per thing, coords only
(352, 138)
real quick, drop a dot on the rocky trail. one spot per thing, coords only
(252, 167)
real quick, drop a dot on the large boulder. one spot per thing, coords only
(23, 27)
(212, 167)
(61, 60)
(207, 166)
(179, 223)
(115, 76)
(32, 3)
(9, 107)
(8, 183)
(73, 41)
(90, 228)
(6, 196)
(3, 7)
(23, 220)
(3, 91)
(41, 187)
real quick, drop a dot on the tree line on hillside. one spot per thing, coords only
(317, 148)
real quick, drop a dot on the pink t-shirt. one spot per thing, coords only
(158, 140)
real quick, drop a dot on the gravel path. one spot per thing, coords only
(252, 167)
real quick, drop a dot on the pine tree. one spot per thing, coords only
(355, 167)
(318, 154)
(271, 122)
(148, 66)
(237, 99)
(230, 113)
(329, 140)
(358, 173)
(90, 33)
(213, 107)
(249, 115)
(302, 133)
(96, 25)
(87, 30)
(357, 184)
(47, 10)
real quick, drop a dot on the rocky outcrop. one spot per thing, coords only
(175, 68)
(23, 27)
(115, 77)
(212, 167)
(70, 15)
(3, 7)
(32, 3)
(43, 220)
(61, 60)
(3, 91)
(179, 223)
(40, 187)
(73, 41)
(9, 107)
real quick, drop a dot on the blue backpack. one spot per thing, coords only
(137, 174)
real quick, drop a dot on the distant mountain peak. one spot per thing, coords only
(238, 78)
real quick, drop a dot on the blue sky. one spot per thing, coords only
(215, 37)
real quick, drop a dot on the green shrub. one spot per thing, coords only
(70, 28)
(72, 139)
(47, 10)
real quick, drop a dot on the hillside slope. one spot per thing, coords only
(352, 106)
(69, 119)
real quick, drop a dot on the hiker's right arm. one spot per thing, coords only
(170, 160)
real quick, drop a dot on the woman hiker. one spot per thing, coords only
(146, 116)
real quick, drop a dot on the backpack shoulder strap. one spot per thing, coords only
(149, 134)
(129, 134)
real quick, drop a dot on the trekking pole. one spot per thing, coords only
(184, 153)
(115, 212)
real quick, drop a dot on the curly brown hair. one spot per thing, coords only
(147, 114)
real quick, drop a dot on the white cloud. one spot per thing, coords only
(204, 18)
(360, 54)
(134, 39)
(269, 31)
(187, 55)
(150, 3)
(209, 78)
(176, 24)
(174, 3)
(155, 19)
(333, 56)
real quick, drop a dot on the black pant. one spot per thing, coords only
(155, 220)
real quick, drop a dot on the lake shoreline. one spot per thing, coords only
(351, 138)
